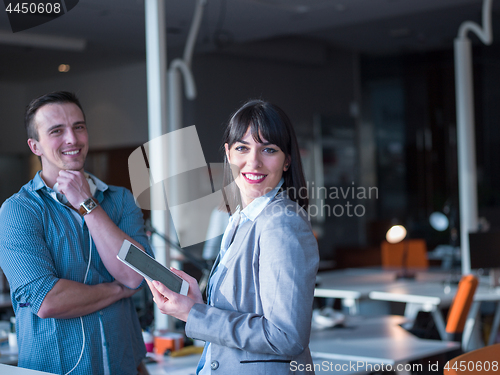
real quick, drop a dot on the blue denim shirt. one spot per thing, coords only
(42, 241)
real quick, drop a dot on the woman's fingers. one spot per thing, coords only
(157, 297)
(183, 275)
(169, 302)
(194, 289)
(162, 289)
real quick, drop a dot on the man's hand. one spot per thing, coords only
(126, 292)
(74, 186)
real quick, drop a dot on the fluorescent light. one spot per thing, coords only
(43, 41)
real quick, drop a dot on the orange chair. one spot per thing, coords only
(457, 315)
(480, 361)
(392, 254)
(460, 307)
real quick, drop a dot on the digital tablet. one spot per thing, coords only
(151, 269)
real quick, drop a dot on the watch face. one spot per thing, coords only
(90, 204)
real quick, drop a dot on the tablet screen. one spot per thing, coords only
(149, 266)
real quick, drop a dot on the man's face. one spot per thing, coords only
(62, 139)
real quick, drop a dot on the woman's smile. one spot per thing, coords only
(254, 178)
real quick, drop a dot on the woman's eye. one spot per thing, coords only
(270, 150)
(240, 148)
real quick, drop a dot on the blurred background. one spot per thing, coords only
(368, 84)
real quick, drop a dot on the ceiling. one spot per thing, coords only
(113, 31)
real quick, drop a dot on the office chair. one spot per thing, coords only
(457, 315)
(459, 310)
(480, 361)
(392, 253)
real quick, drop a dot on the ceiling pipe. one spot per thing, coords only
(464, 93)
(180, 69)
(183, 66)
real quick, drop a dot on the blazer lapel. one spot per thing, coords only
(239, 239)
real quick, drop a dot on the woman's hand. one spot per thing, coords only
(194, 289)
(175, 304)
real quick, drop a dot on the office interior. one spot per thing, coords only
(369, 85)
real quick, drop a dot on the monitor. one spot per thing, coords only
(484, 250)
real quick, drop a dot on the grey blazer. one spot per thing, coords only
(260, 318)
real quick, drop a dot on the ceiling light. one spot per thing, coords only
(63, 68)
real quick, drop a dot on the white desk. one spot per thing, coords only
(427, 292)
(165, 365)
(187, 366)
(13, 370)
(354, 284)
(432, 296)
(369, 342)
(364, 342)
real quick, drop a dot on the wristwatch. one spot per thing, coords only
(88, 206)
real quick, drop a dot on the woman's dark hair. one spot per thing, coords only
(270, 122)
(57, 97)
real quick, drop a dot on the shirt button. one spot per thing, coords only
(101, 313)
(214, 365)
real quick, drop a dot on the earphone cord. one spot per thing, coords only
(81, 319)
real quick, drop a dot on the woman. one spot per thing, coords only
(260, 295)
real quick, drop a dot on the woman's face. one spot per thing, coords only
(259, 166)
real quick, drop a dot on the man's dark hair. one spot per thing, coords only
(57, 97)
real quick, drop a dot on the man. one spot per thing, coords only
(59, 237)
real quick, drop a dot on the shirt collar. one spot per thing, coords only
(38, 182)
(258, 204)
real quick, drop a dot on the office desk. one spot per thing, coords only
(12, 370)
(354, 284)
(361, 347)
(427, 292)
(165, 365)
(372, 342)
(432, 296)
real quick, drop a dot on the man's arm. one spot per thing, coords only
(70, 299)
(106, 235)
(29, 264)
